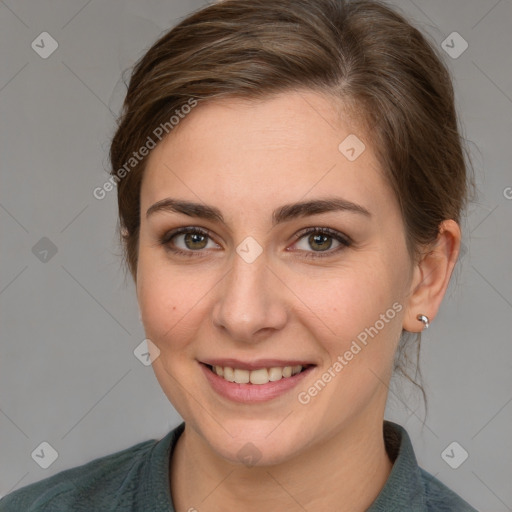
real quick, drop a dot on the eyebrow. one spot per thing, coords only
(284, 213)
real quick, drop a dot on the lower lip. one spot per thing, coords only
(252, 393)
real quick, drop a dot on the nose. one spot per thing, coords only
(250, 304)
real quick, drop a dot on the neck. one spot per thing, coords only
(351, 463)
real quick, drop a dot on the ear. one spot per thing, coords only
(431, 276)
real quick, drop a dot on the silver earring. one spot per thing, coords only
(425, 320)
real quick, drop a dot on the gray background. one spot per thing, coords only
(70, 324)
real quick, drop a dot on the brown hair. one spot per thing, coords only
(361, 53)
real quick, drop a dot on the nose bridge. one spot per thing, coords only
(249, 300)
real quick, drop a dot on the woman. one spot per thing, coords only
(290, 185)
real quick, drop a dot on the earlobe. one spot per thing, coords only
(431, 278)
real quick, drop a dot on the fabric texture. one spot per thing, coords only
(137, 480)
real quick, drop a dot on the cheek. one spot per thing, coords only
(358, 333)
(160, 297)
(363, 305)
(172, 301)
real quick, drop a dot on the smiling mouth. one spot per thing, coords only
(259, 376)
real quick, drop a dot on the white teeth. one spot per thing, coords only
(260, 376)
(275, 374)
(241, 376)
(229, 374)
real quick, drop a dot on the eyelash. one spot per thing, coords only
(342, 239)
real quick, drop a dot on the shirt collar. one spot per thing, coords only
(403, 489)
(154, 484)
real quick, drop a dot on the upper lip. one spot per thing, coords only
(255, 364)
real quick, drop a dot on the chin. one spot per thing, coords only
(255, 454)
(254, 443)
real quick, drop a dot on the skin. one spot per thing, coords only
(248, 158)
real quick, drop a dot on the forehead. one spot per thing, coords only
(247, 153)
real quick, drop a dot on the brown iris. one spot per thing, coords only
(325, 241)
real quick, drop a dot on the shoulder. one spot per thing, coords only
(87, 487)
(440, 498)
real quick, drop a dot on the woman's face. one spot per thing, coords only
(257, 288)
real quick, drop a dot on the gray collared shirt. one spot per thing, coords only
(137, 480)
(410, 488)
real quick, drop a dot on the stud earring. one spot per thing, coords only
(425, 320)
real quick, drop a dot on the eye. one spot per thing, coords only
(191, 241)
(321, 240)
(187, 241)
